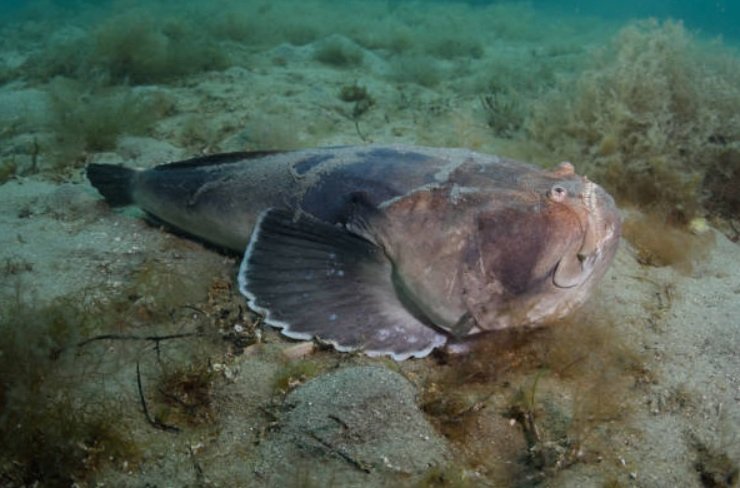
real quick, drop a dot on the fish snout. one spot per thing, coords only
(600, 224)
(602, 229)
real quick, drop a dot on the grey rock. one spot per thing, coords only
(358, 426)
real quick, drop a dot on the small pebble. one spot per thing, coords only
(299, 351)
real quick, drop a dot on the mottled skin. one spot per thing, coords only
(507, 251)
(219, 198)
(474, 242)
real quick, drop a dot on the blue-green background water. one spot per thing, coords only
(712, 17)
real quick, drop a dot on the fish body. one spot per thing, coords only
(391, 250)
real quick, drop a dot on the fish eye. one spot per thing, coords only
(558, 193)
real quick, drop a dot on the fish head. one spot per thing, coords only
(537, 251)
(491, 249)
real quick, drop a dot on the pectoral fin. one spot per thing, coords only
(316, 280)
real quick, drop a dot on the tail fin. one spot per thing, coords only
(113, 182)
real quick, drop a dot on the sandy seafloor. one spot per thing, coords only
(650, 397)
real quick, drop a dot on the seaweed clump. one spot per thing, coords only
(185, 395)
(53, 429)
(450, 476)
(654, 120)
(294, 373)
(504, 111)
(416, 68)
(8, 170)
(136, 47)
(88, 119)
(565, 388)
(339, 52)
(658, 244)
(358, 95)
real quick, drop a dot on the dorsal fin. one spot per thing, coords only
(215, 159)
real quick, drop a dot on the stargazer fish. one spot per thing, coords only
(390, 250)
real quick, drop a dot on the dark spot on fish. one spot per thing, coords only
(510, 241)
(380, 174)
(342, 188)
(304, 166)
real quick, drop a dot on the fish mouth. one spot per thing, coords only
(601, 229)
(572, 271)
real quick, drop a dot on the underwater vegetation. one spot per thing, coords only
(81, 119)
(184, 394)
(451, 476)
(359, 96)
(654, 119)
(566, 388)
(158, 290)
(54, 430)
(417, 68)
(8, 170)
(659, 244)
(296, 372)
(136, 48)
(132, 47)
(339, 52)
(504, 111)
(69, 409)
(88, 119)
(151, 42)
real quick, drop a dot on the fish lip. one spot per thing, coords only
(597, 236)
(555, 280)
(588, 265)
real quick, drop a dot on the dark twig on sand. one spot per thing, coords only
(132, 337)
(157, 339)
(154, 422)
(357, 128)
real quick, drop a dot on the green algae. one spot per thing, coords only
(67, 413)
(653, 119)
(449, 476)
(525, 406)
(87, 118)
(185, 395)
(658, 244)
(53, 429)
(338, 52)
(295, 372)
(130, 47)
(8, 170)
